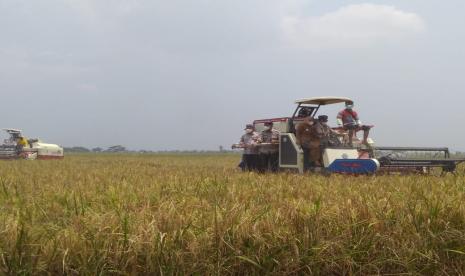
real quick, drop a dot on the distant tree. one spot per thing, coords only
(221, 149)
(76, 149)
(117, 148)
(97, 149)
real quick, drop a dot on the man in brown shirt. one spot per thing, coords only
(307, 140)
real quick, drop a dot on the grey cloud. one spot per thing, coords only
(190, 74)
(357, 25)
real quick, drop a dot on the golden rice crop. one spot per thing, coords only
(197, 214)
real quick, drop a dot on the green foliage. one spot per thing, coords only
(197, 214)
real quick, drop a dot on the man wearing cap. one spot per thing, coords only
(323, 131)
(306, 139)
(268, 153)
(349, 120)
(249, 141)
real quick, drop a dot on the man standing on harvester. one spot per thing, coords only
(268, 152)
(310, 144)
(349, 120)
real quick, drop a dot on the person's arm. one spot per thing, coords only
(245, 144)
(339, 119)
(275, 137)
(254, 140)
(357, 120)
(242, 141)
(318, 131)
(298, 134)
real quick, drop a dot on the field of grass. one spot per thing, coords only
(197, 214)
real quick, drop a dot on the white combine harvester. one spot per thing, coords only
(340, 157)
(35, 149)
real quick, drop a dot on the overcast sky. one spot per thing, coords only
(189, 74)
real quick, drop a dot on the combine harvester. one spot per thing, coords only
(35, 149)
(340, 157)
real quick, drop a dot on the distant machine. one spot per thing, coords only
(35, 149)
(341, 157)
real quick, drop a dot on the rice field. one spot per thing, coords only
(197, 214)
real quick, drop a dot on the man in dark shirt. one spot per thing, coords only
(268, 152)
(327, 136)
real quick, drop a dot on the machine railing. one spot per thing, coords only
(415, 149)
(416, 157)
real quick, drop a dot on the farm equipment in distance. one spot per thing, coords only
(35, 149)
(341, 157)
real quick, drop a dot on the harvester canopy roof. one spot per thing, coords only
(11, 130)
(324, 100)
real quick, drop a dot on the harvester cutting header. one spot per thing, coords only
(306, 142)
(19, 147)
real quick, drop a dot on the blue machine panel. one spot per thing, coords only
(354, 166)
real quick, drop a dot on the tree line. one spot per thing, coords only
(122, 149)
